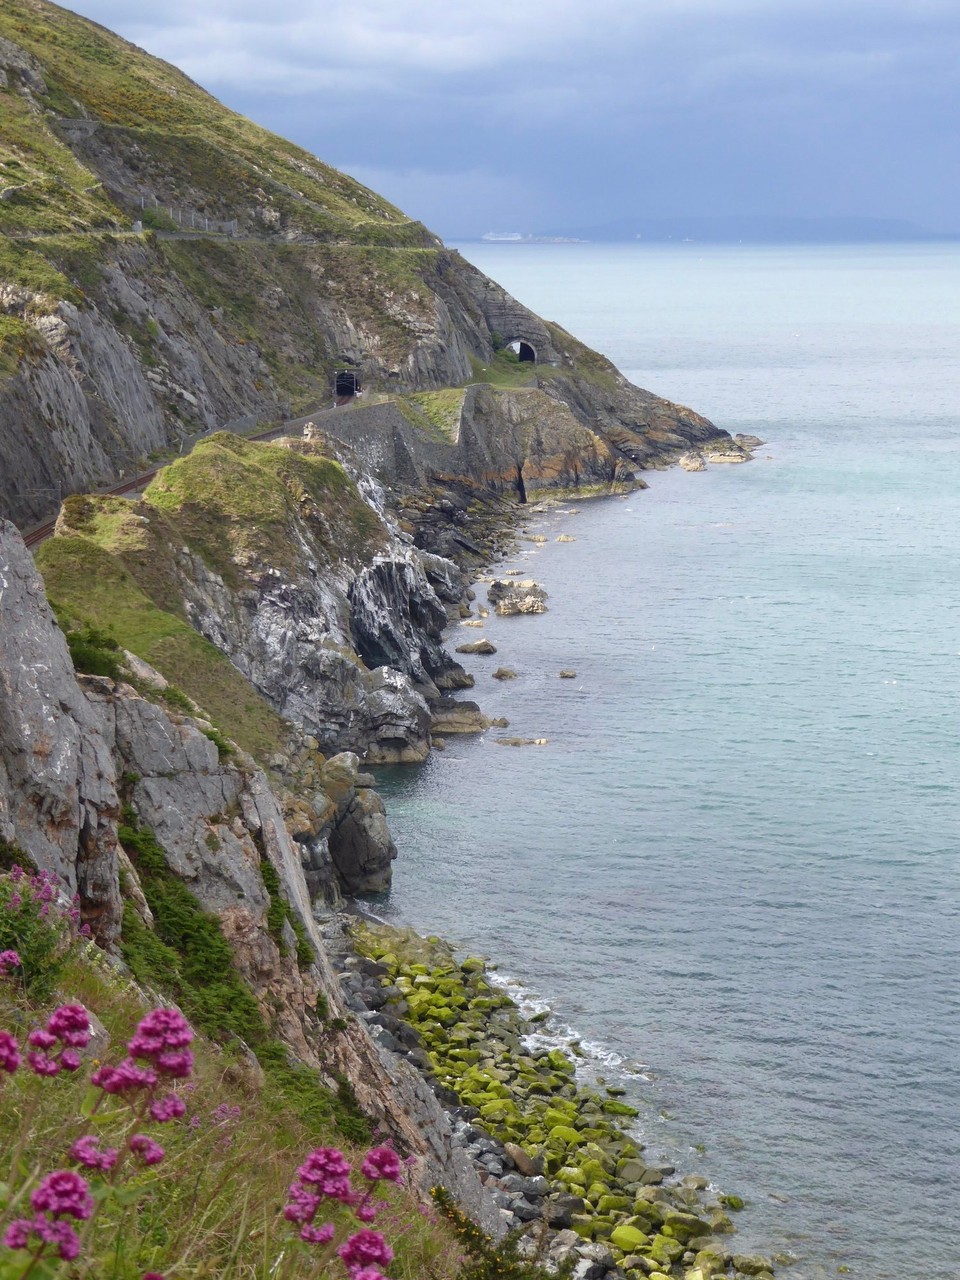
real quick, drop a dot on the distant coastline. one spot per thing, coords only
(753, 230)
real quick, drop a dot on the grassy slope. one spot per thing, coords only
(211, 1207)
(230, 500)
(178, 128)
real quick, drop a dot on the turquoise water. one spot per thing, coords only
(736, 861)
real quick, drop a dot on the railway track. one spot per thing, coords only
(39, 533)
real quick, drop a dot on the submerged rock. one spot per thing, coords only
(504, 673)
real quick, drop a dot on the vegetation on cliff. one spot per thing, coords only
(236, 505)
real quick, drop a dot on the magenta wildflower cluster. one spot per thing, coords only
(142, 1083)
(42, 889)
(325, 1176)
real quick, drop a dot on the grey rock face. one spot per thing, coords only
(362, 846)
(58, 796)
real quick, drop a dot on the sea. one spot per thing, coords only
(732, 871)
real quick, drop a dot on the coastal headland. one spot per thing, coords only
(195, 677)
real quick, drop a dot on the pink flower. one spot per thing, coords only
(17, 873)
(41, 1065)
(9, 1052)
(150, 1152)
(169, 1108)
(71, 1025)
(317, 1235)
(61, 1234)
(124, 1078)
(302, 1205)
(70, 1060)
(365, 1248)
(86, 1152)
(368, 1273)
(9, 960)
(41, 1039)
(63, 1192)
(152, 1275)
(17, 1235)
(327, 1171)
(382, 1162)
(177, 1065)
(160, 1031)
(367, 1213)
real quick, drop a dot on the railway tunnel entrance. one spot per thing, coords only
(523, 351)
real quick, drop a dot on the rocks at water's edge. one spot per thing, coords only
(692, 462)
(511, 598)
(550, 1150)
(477, 646)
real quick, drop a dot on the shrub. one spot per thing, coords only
(224, 748)
(37, 927)
(488, 1260)
(94, 652)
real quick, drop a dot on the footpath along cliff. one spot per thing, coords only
(193, 680)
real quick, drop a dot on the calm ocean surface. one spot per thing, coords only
(736, 862)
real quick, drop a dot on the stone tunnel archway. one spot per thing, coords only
(523, 351)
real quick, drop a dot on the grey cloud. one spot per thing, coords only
(576, 110)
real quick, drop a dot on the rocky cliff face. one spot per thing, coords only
(69, 746)
(115, 346)
(272, 554)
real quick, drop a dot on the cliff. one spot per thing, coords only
(116, 347)
(230, 645)
(89, 762)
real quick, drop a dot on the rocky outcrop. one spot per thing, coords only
(67, 744)
(58, 780)
(317, 599)
(512, 598)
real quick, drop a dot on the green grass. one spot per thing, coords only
(232, 499)
(438, 411)
(49, 189)
(19, 342)
(168, 132)
(237, 504)
(212, 1207)
(94, 588)
(503, 372)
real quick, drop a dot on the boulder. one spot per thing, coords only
(483, 646)
(361, 845)
(530, 1166)
(450, 715)
(752, 1264)
(512, 598)
(504, 673)
(693, 462)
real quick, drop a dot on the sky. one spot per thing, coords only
(544, 115)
